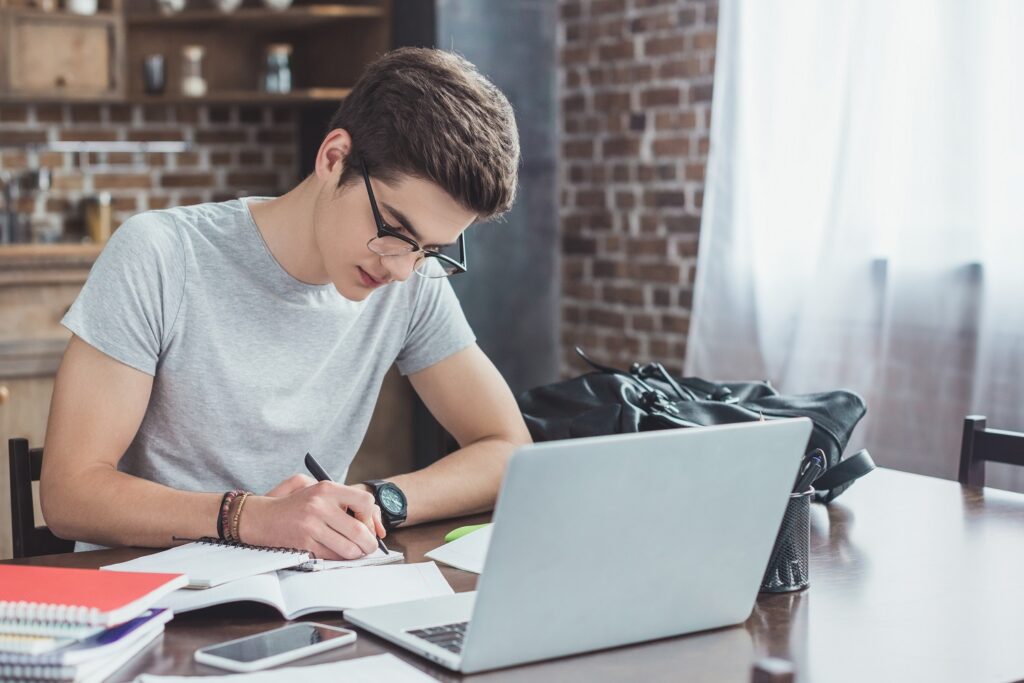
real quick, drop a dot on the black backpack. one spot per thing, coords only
(612, 401)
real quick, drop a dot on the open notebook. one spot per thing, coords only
(295, 594)
(210, 562)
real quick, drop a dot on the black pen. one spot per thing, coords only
(321, 475)
(811, 468)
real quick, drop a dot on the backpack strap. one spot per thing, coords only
(838, 478)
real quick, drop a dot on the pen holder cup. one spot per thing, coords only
(788, 567)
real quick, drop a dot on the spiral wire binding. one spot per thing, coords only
(36, 672)
(310, 565)
(21, 612)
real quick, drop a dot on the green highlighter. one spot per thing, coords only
(462, 531)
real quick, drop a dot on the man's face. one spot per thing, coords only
(343, 224)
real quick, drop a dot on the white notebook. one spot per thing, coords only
(295, 594)
(209, 562)
(376, 557)
(467, 553)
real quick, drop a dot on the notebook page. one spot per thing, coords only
(210, 564)
(263, 588)
(14, 643)
(466, 553)
(378, 556)
(305, 593)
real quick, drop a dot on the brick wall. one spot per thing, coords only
(232, 151)
(635, 80)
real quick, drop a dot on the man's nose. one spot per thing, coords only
(400, 267)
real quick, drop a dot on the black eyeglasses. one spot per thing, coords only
(432, 263)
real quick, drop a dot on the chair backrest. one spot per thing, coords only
(981, 444)
(772, 670)
(28, 539)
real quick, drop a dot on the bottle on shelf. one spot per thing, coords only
(85, 7)
(154, 74)
(192, 82)
(169, 7)
(227, 6)
(98, 218)
(279, 72)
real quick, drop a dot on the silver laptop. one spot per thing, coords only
(606, 541)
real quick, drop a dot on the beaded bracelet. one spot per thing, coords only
(228, 514)
(233, 529)
(223, 517)
(220, 514)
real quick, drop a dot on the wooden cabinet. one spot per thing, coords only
(59, 54)
(37, 285)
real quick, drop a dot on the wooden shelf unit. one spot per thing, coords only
(331, 45)
(294, 17)
(101, 16)
(304, 96)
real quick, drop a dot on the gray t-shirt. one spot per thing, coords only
(251, 367)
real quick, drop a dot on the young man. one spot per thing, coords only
(214, 345)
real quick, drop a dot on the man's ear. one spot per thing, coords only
(331, 158)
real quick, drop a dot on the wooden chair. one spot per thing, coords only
(28, 539)
(772, 670)
(981, 444)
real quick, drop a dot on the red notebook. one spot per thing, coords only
(84, 597)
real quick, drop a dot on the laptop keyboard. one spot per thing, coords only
(448, 636)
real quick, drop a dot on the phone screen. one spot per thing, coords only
(272, 643)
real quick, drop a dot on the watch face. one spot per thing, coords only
(391, 500)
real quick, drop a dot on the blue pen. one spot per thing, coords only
(321, 475)
(811, 468)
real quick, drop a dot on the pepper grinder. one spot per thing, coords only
(192, 82)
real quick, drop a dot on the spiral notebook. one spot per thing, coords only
(92, 661)
(67, 603)
(211, 562)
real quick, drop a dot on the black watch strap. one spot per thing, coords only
(391, 519)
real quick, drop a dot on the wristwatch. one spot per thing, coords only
(392, 502)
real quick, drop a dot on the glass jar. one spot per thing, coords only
(98, 218)
(279, 72)
(192, 82)
(154, 74)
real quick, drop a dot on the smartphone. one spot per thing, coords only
(277, 646)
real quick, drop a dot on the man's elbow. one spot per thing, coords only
(521, 435)
(515, 438)
(55, 500)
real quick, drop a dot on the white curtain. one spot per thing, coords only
(863, 222)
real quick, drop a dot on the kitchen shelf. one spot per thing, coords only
(296, 97)
(36, 13)
(26, 263)
(293, 17)
(301, 96)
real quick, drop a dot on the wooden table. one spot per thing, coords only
(912, 579)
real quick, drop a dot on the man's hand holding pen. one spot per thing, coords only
(333, 521)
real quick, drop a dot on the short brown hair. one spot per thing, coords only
(431, 114)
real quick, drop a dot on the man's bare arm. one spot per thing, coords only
(97, 407)
(470, 398)
(98, 404)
